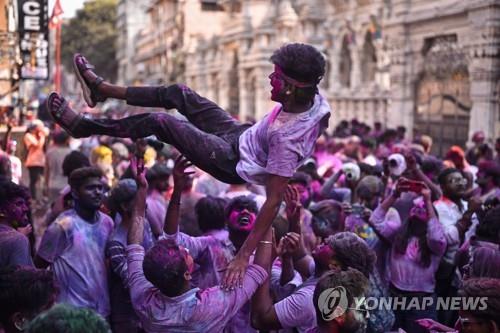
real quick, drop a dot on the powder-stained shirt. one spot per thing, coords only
(14, 247)
(449, 213)
(406, 271)
(280, 142)
(297, 310)
(196, 310)
(211, 254)
(156, 209)
(75, 248)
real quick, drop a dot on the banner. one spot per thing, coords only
(34, 39)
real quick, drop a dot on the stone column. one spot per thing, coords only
(333, 80)
(243, 86)
(400, 109)
(356, 65)
(484, 68)
(484, 84)
(400, 112)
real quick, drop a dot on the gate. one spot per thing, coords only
(443, 104)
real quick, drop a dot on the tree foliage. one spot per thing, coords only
(92, 32)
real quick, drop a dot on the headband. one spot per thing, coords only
(295, 82)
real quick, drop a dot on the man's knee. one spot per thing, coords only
(161, 118)
(174, 96)
(177, 89)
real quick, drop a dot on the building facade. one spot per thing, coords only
(432, 66)
(8, 74)
(131, 18)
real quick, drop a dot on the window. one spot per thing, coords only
(210, 6)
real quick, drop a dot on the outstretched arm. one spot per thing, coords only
(275, 187)
(171, 225)
(136, 232)
(263, 314)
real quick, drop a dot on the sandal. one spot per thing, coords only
(90, 92)
(65, 116)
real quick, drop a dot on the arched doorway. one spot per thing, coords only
(442, 98)
(234, 91)
(345, 63)
(368, 59)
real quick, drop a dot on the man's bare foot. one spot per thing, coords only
(93, 86)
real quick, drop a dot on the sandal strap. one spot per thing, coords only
(60, 110)
(94, 84)
(86, 65)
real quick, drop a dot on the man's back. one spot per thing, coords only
(196, 310)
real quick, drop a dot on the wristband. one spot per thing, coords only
(265, 242)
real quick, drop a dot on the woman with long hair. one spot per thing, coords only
(417, 246)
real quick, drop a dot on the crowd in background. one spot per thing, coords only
(136, 239)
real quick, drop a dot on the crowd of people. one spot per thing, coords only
(144, 236)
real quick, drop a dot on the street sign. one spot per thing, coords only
(34, 39)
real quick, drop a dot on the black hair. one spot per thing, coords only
(60, 137)
(414, 227)
(5, 166)
(352, 280)
(64, 318)
(489, 225)
(79, 176)
(210, 213)
(164, 266)
(443, 175)
(242, 201)
(369, 143)
(73, 161)
(388, 134)
(353, 252)
(491, 169)
(26, 290)
(10, 190)
(326, 218)
(300, 177)
(431, 164)
(487, 288)
(303, 63)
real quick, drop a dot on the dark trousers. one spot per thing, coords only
(405, 319)
(35, 173)
(209, 138)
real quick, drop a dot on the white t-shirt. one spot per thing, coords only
(75, 249)
(280, 142)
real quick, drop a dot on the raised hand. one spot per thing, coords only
(181, 176)
(289, 244)
(138, 171)
(293, 205)
(426, 193)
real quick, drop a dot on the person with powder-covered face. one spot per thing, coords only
(74, 245)
(267, 153)
(339, 252)
(160, 280)
(214, 251)
(14, 209)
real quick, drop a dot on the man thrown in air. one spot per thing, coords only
(267, 153)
